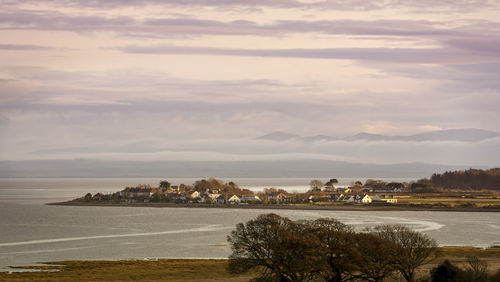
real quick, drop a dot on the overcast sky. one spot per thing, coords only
(189, 79)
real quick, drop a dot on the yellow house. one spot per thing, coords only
(366, 199)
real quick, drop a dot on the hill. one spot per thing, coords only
(461, 135)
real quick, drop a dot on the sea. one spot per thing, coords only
(32, 232)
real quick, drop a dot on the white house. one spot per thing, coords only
(234, 200)
(213, 197)
(389, 200)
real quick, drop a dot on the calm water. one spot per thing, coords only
(32, 232)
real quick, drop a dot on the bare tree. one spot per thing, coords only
(377, 257)
(337, 255)
(282, 248)
(316, 185)
(477, 270)
(414, 248)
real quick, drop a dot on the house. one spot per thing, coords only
(340, 187)
(136, 192)
(351, 199)
(279, 198)
(251, 199)
(212, 197)
(366, 199)
(220, 199)
(336, 197)
(387, 199)
(194, 195)
(282, 198)
(391, 201)
(198, 199)
(234, 200)
(208, 192)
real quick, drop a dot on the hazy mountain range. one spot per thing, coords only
(374, 156)
(463, 135)
(261, 169)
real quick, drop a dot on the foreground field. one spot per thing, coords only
(130, 270)
(191, 269)
(452, 202)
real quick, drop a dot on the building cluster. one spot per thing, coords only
(187, 194)
(354, 198)
(184, 194)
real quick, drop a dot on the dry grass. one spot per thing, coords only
(130, 270)
(454, 202)
(195, 269)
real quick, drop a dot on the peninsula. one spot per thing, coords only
(451, 191)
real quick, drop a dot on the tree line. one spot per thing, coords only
(474, 179)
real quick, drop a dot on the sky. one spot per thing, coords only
(200, 80)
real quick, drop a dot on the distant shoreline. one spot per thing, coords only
(277, 207)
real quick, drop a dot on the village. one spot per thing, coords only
(214, 191)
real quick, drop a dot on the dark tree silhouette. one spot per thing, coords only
(282, 248)
(325, 250)
(337, 253)
(414, 249)
(474, 179)
(164, 184)
(377, 257)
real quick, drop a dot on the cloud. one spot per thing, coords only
(194, 125)
(429, 127)
(390, 55)
(467, 35)
(199, 78)
(340, 5)
(257, 106)
(53, 20)
(22, 47)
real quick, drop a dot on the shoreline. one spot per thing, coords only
(278, 207)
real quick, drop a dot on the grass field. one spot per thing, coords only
(454, 202)
(129, 270)
(191, 269)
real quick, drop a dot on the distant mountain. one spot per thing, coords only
(367, 137)
(462, 135)
(466, 135)
(320, 138)
(278, 168)
(279, 136)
